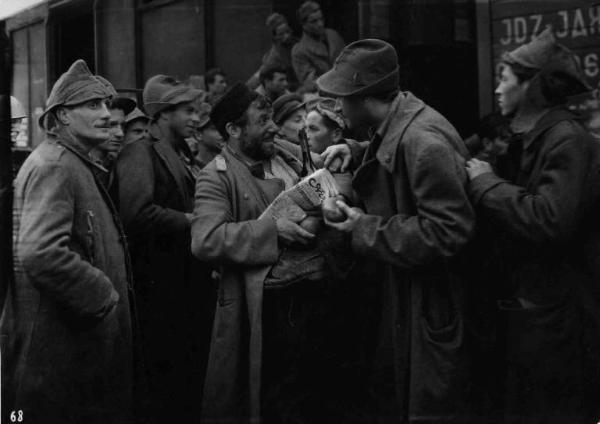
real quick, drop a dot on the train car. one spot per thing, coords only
(128, 41)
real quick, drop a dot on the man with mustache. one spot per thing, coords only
(66, 325)
(155, 187)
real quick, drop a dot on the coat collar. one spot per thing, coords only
(403, 111)
(548, 120)
(69, 142)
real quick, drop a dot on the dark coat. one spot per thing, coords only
(155, 191)
(66, 323)
(418, 217)
(312, 58)
(226, 230)
(534, 216)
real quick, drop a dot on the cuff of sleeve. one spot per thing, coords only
(266, 240)
(362, 235)
(481, 184)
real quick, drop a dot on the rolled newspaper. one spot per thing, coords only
(306, 195)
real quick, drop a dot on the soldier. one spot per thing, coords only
(414, 220)
(72, 282)
(314, 54)
(154, 183)
(539, 217)
(270, 346)
(136, 126)
(106, 153)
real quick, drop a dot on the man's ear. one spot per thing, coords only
(233, 130)
(337, 135)
(62, 115)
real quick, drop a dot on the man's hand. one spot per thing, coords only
(352, 217)
(340, 152)
(290, 232)
(476, 167)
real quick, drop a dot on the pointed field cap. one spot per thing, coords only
(77, 85)
(136, 113)
(544, 53)
(364, 67)
(164, 91)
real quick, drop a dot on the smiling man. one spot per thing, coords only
(71, 277)
(154, 184)
(253, 339)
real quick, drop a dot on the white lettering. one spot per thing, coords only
(508, 39)
(591, 65)
(594, 19)
(537, 19)
(565, 20)
(579, 29)
(520, 29)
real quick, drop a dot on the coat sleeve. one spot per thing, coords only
(42, 247)
(136, 179)
(550, 213)
(218, 238)
(444, 220)
(357, 150)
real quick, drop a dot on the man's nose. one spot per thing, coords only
(104, 111)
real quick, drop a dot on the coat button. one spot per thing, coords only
(388, 158)
(246, 197)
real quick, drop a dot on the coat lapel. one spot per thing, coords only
(173, 164)
(403, 111)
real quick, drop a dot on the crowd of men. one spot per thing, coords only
(447, 282)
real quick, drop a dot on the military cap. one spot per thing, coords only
(330, 108)
(125, 104)
(544, 53)
(135, 114)
(77, 85)
(285, 105)
(231, 106)
(164, 91)
(364, 67)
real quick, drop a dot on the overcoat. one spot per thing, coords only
(66, 325)
(412, 184)
(537, 217)
(226, 230)
(312, 58)
(174, 293)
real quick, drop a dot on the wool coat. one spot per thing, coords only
(226, 230)
(66, 325)
(175, 296)
(539, 219)
(412, 185)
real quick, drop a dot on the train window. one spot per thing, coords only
(29, 80)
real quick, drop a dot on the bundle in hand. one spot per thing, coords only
(305, 196)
